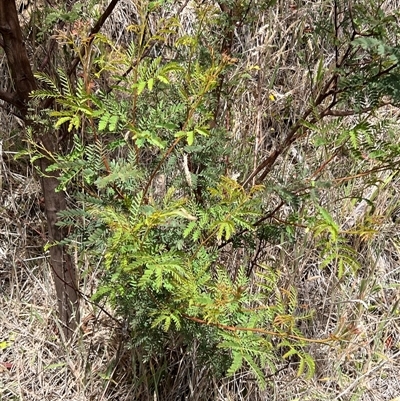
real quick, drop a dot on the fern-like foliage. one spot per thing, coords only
(335, 251)
(163, 267)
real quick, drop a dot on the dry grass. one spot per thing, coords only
(98, 364)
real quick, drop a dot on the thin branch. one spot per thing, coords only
(366, 374)
(100, 22)
(327, 340)
(363, 173)
(77, 58)
(9, 110)
(154, 173)
(336, 25)
(344, 113)
(46, 60)
(9, 98)
(383, 72)
(269, 215)
(321, 168)
(183, 6)
(266, 165)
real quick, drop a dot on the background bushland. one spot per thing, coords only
(221, 180)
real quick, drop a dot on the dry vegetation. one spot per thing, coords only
(37, 364)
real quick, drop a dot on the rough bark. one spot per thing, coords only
(64, 272)
(17, 57)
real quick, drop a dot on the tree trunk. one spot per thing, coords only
(64, 272)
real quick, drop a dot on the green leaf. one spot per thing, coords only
(140, 87)
(156, 141)
(311, 368)
(180, 134)
(104, 121)
(302, 366)
(236, 363)
(55, 366)
(167, 323)
(61, 121)
(256, 370)
(190, 137)
(163, 79)
(184, 213)
(190, 227)
(150, 84)
(74, 122)
(226, 227)
(290, 353)
(113, 122)
(202, 131)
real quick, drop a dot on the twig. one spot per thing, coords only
(93, 31)
(263, 331)
(355, 383)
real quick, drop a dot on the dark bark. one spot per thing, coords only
(64, 272)
(9, 98)
(17, 57)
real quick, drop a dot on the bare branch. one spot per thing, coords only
(344, 113)
(9, 98)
